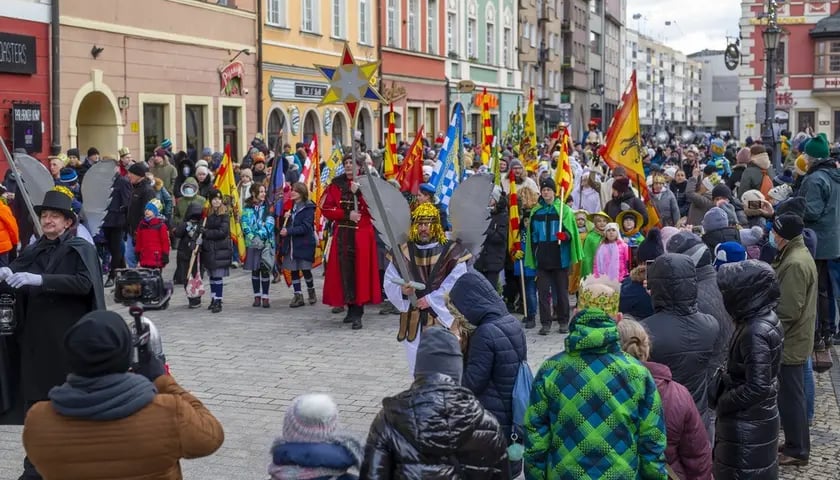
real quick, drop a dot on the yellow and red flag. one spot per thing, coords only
(514, 237)
(389, 171)
(623, 146)
(486, 129)
(315, 191)
(563, 176)
(410, 174)
(225, 183)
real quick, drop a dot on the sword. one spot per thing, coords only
(36, 222)
(399, 260)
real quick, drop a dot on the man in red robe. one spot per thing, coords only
(352, 269)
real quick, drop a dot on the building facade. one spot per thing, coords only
(25, 117)
(668, 84)
(413, 72)
(606, 47)
(807, 68)
(541, 51)
(718, 93)
(131, 76)
(481, 48)
(297, 35)
(575, 66)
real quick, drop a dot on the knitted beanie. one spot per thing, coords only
(751, 196)
(751, 236)
(651, 247)
(154, 205)
(311, 418)
(780, 193)
(721, 191)
(729, 252)
(743, 156)
(817, 147)
(715, 219)
(621, 185)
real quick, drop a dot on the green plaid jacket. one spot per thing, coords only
(595, 412)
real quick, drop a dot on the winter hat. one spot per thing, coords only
(206, 152)
(514, 163)
(428, 170)
(788, 225)
(795, 205)
(154, 205)
(612, 226)
(780, 193)
(159, 152)
(751, 236)
(743, 156)
(73, 152)
(202, 163)
(166, 144)
(800, 165)
(497, 193)
(670, 172)
(548, 183)
(715, 219)
(729, 252)
(214, 193)
(92, 151)
(621, 185)
(667, 234)
(98, 344)
(651, 247)
(428, 188)
(246, 172)
(311, 418)
(688, 243)
(216, 157)
(721, 191)
(817, 147)
(139, 168)
(785, 178)
(258, 157)
(717, 147)
(752, 196)
(709, 169)
(202, 169)
(439, 352)
(67, 176)
(599, 292)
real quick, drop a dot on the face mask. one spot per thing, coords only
(186, 171)
(772, 240)
(189, 192)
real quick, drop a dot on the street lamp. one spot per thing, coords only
(771, 35)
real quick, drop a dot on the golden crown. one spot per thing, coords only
(599, 292)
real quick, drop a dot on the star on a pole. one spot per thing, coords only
(350, 82)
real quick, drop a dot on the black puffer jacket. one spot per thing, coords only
(436, 430)
(710, 301)
(494, 250)
(682, 337)
(497, 346)
(118, 206)
(141, 193)
(216, 247)
(747, 415)
(179, 180)
(626, 201)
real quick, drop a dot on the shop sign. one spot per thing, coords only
(285, 89)
(26, 126)
(492, 100)
(779, 20)
(310, 90)
(231, 78)
(784, 100)
(826, 83)
(17, 54)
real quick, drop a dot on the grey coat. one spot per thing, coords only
(666, 205)
(821, 189)
(699, 203)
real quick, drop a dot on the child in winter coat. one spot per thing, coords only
(151, 241)
(581, 220)
(216, 247)
(299, 242)
(187, 234)
(631, 226)
(613, 256)
(593, 241)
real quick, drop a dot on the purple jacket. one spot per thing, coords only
(688, 452)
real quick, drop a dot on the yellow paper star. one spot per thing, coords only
(350, 83)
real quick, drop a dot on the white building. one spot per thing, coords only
(719, 92)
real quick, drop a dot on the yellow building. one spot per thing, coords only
(298, 34)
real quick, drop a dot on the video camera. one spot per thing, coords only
(147, 342)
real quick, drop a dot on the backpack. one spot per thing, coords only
(766, 183)
(521, 396)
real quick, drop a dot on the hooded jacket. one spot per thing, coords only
(666, 204)
(436, 430)
(141, 193)
(300, 239)
(497, 346)
(305, 460)
(181, 178)
(152, 243)
(797, 276)
(634, 299)
(626, 201)
(681, 337)
(129, 442)
(167, 173)
(183, 203)
(699, 203)
(754, 173)
(494, 249)
(821, 189)
(710, 302)
(217, 246)
(594, 412)
(118, 205)
(747, 415)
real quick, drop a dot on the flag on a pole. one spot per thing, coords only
(410, 174)
(312, 169)
(497, 160)
(486, 128)
(528, 145)
(315, 192)
(514, 237)
(445, 175)
(623, 146)
(390, 147)
(226, 185)
(563, 177)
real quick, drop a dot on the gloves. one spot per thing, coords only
(20, 279)
(199, 240)
(5, 273)
(519, 255)
(152, 368)
(562, 236)
(166, 259)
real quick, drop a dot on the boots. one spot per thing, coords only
(348, 318)
(356, 312)
(257, 301)
(194, 302)
(297, 301)
(312, 297)
(266, 303)
(216, 305)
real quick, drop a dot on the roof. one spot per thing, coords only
(828, 27)
(706, 53)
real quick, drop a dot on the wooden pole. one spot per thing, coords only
(562, 204)
(522, 282)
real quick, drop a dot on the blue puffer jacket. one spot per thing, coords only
(300, 241)
(496, 347)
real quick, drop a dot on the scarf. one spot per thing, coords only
(109, 397)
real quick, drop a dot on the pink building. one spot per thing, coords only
(136, 72)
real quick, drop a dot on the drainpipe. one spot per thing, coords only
(259, 59)
(55, 74)
(448, 102)
(379, 41)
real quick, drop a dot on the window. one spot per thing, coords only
(338, 17)
(393, 14)
(276, 13)
(806, 120)
(431, 26)
(506, 47)
(472, 33)
(533, 35)
(413, 121)
(780, 58)
(153, 127)
(490, 43)
(451, 33)
(828, 57)
(413, 27)
(595, 6)
(309, 10)
(195, 127)
(595, 43)
(230, 129)
(364, 22)
(596, 80)
(431, 121)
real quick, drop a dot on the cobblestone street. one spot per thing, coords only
(247, 364)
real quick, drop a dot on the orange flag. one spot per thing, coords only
(410, 175)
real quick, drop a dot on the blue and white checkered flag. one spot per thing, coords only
(445, 175)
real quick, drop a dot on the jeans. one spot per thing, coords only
(810, 388)
(834, 277)
(793, 411)
(531, 297)
(130, 258)
(553, 284)
(826, 326)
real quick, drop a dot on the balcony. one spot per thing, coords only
(566, 26)
(568, 62)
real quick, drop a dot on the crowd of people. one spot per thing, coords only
(691, 344)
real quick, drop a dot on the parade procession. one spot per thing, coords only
(419, 239)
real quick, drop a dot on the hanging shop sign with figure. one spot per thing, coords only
(231, 78)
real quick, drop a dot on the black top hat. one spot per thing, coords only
(60, 202)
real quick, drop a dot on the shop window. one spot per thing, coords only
(276, 126)
(154, 127)
(805, 121)
(230, 130)
(413, 121)
(836, 136)
(195, 124)
(431, 122)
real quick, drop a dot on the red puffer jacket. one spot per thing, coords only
(689, 451)
(151, 242)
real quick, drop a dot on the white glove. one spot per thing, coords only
(5, 272)
(20, 279)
